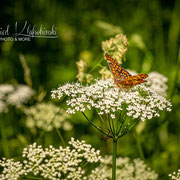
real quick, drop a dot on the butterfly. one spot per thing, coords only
(122, 78)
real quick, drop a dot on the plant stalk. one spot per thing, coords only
(114, 159)
(4, 139)
(60, 136)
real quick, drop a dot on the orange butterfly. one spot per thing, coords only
(122, 78)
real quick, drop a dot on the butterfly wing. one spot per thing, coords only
(118, 73)
(139, 77)
(133, 80)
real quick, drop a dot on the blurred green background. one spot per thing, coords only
(81, 27)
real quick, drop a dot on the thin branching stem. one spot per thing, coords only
(121, 124)
(58, 131)
(99, 63)
(133, 124)
(40, 136)
(118, 121)
(128, 128)
(60, 136)
(112, 122)
(139, 146)
(84, 163)
(31, 177)
(111, 130)
(98, 128)
(102, 120)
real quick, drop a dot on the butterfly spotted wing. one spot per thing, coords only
(122, 78)
(132, 81)
(118, 73)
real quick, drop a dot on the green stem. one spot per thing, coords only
(96, 65)
(105, 125)
(114, 159)
(128, 128)
(60, 136)
(98, 128)
(31, 177)
(113, 126)
(40, 136)
(4, 140)
(133, 124)
(111, 130)
(84, 164)
(57, 130)
(118, 121)
(120, 127)
(139, 146)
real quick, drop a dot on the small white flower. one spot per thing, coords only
(112, 116)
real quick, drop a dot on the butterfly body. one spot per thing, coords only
(122, 78)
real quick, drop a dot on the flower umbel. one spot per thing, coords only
(14, 95)
(47, 116)
(11, 170)
(51, 163)
(157, 82)
(126, 169)
(139, 102)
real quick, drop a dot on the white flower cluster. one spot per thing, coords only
(140, 101)
(14, 95)
(89, 153)
(116, 47)
(47, 116)
(157, 82)
(51, 163)
(175, 175)
(126, 169)
(99, 173)
(21, 95)
(11, 170)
